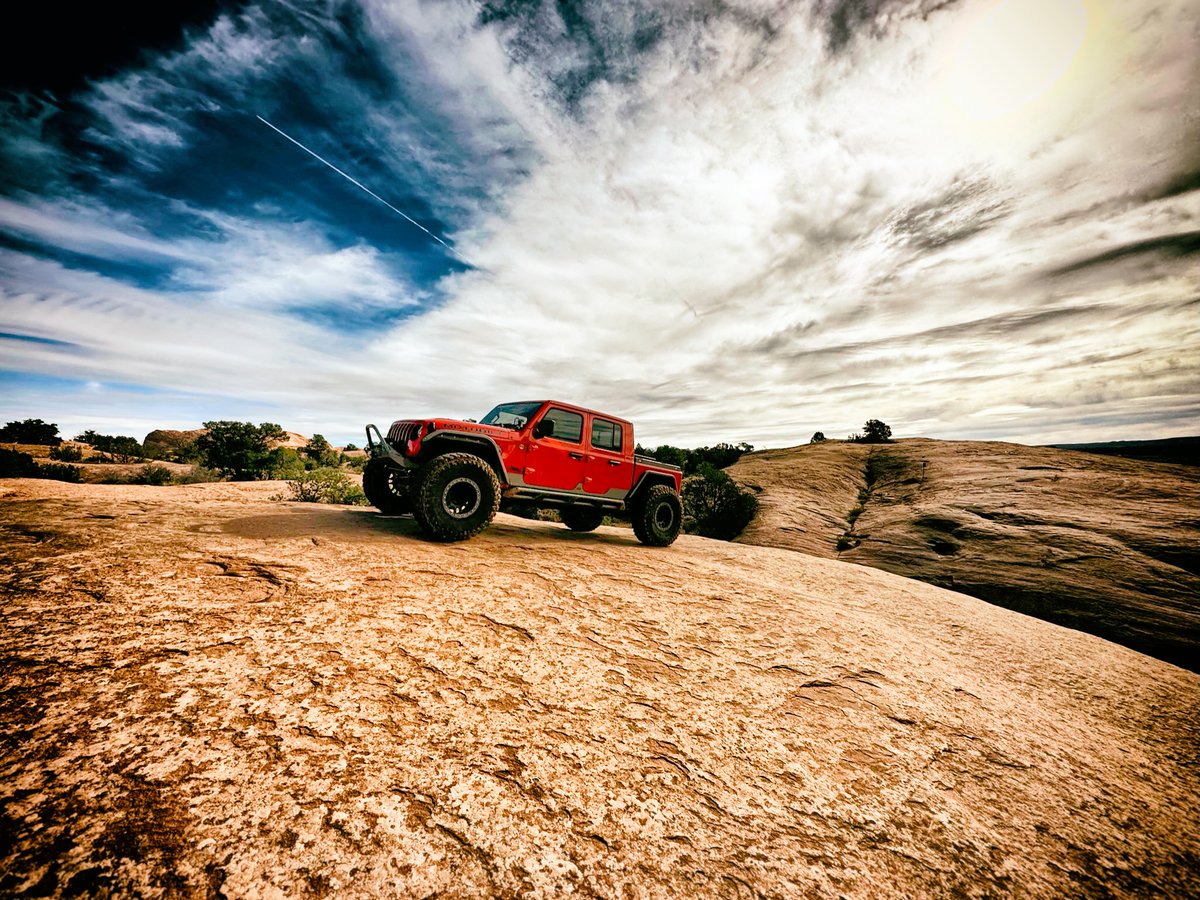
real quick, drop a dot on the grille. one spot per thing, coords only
(402, 432)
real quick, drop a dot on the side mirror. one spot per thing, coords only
(544, 428)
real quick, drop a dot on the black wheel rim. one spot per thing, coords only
(664, 517)
(461, 498)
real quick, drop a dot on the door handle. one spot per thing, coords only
(575, 455)
(614, 462)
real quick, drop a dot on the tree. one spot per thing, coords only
(876, 432)
(719, 456)
(715, 506)
(348, 447)
(31, 431)
(118, 447)
(320, 453)
(283, 463)
(239, 450)
(817, 438)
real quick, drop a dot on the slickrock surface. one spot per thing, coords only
(206, 692)
(1107, 545)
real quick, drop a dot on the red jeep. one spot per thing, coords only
(453, 476)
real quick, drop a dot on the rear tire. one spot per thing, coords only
(658, 516)
(456, 497)
(386, 488)
(581, 518)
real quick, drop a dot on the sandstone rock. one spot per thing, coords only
(207, 692)
(1103, 544)
(162, 441)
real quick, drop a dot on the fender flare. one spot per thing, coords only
(646, 481)
(450, 441)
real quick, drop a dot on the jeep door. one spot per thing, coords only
(556, 460)
(608, 469)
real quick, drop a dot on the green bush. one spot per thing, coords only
(66, 453)
(199, 475)
(716, 506)
(354, 463)
(60, 472)
(186, 453)
(319, 454)
(326, 485)
(14, 464)
(284, 462)
(154, 474)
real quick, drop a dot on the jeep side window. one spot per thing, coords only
(568, 426)
(606, 435)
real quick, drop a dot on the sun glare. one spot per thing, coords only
(1014, 66)
(1013, 52)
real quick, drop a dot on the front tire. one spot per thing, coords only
(581, 518)
(658, 516)
(386, 488)
(456, 497)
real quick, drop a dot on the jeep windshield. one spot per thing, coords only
(511, 415)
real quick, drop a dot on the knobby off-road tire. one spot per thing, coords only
(580, 518)
(658, 516)
(456, 497)
(386, 488)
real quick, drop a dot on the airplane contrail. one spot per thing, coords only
(362, 186)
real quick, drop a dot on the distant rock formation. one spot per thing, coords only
(164, 442)
(1097, 543)
(293, 440)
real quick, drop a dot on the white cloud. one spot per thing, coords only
(735, 236)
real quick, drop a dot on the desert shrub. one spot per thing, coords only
(30, 431)
(319, 453)
(186, 452)
(14, 464)
(817, 438)
(239, 449)
(66, 453)
(60, 472)
(199, 475)
(326, 485)
(154, 474)
(716, 506)
(284, 463)
(354, 463)
(350, 447)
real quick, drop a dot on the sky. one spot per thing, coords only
(724, 221)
